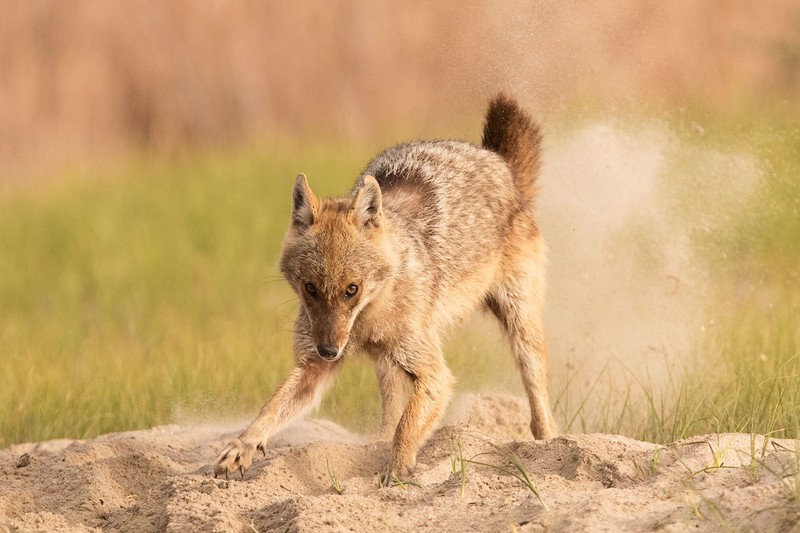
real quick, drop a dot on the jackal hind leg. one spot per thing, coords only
(517, 305)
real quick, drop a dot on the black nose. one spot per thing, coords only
(328, 351)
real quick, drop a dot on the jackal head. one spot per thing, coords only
(337, 259)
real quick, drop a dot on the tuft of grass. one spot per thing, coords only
(510, 464)
(789, 471)
(459, 464)
(335, 485)
(688, 498)
(395, 481)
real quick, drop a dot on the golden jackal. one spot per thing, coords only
(430, 232)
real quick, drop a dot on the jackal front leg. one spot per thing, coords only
(392, 382)
(433, 385)
(299, 392)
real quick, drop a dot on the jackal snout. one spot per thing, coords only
(328, 351)
(330, 331)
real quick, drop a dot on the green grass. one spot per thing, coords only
(146, 295)
(149, 295)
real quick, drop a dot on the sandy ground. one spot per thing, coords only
(160, 480)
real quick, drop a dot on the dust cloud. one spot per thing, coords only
(624, 209)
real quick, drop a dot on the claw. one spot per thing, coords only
(241, 471)
(226, 476)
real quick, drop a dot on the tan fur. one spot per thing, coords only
(431, 232)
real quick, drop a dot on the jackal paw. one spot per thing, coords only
(396, 475)
(238, 455)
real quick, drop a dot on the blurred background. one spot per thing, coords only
(83, 82)
(147, 151)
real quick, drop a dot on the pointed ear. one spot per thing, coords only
(368, 203)
(305, 205)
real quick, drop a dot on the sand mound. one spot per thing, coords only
(160, 479)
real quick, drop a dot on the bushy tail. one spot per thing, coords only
(510, 132)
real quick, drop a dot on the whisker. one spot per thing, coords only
(269, 280)
(294, 301)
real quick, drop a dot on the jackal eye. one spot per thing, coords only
(311, 289)
(351, 291)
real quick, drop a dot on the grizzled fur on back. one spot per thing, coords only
(431, 231)
(454, 202)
